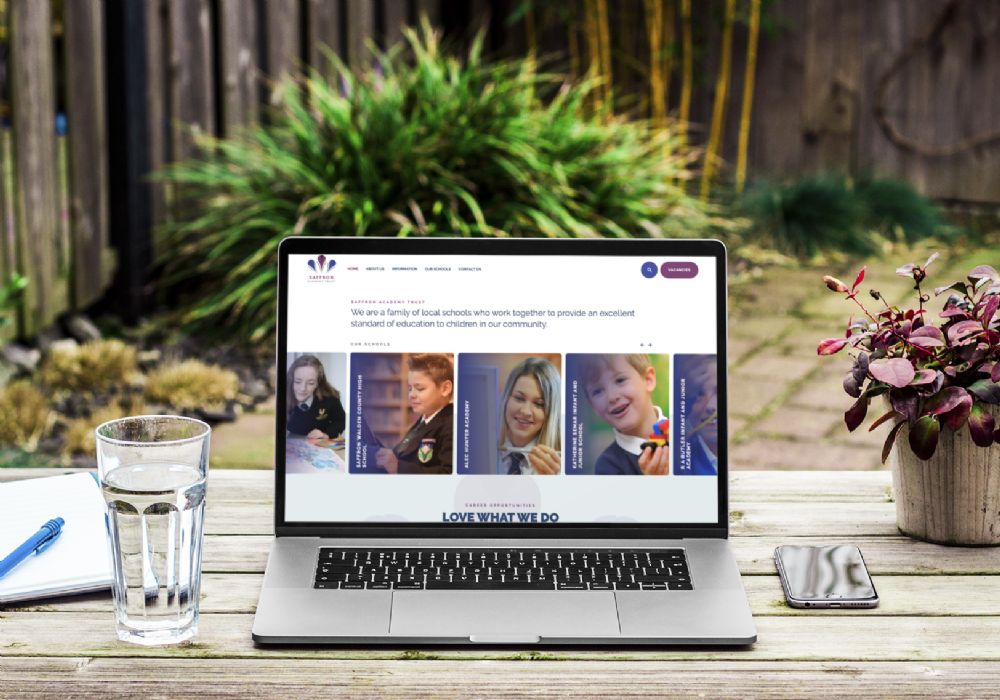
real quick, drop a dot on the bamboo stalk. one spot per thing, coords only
(654, 31)
(532, 38)
(668, 53)
(530, 33)
(687, 79)
(605, 34)
(719, 107)
(593, 48)
(574, 42)
(748, 84)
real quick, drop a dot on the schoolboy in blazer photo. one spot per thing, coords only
(426, 448)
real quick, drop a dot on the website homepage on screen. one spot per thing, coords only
(499, 390)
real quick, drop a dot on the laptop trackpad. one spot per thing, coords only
(504, 616)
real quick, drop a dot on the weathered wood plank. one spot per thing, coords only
(284, 43)
(239, 496)
(236, 553)
(925, 596)
(832, 70)
(799, 486)
(240, 62)
(88, 158)
(324, 34)
(431, 9)
(781, 638)
(830, 520)
(756, 486)
(8, 239)
(34, 166)
(84, 677)
(192, 104)
(360, 31)
(884, 555)
(395, 16)
(157, 91)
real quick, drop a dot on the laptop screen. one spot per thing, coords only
(500, 389)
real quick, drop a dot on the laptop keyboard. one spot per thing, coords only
(503, 569)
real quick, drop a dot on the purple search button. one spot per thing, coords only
(679, 270)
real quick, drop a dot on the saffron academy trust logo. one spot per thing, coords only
(322, 267)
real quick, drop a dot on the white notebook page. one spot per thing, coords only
(80, 560)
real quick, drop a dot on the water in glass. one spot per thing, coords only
(157, 511)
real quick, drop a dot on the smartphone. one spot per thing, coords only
(833, 576)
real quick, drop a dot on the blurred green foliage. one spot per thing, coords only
(94, 367)
(191, 384)
(24, 415)
(10, 296)
(825, 213)
(423, 143)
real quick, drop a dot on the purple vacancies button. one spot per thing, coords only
(679, 270)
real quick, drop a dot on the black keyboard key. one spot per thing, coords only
(661, 579)
(327, 584)
(347, 585)
(531, 569)
(408, 586)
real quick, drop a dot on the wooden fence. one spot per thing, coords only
(53, 200)
(135, 77)
(893, 87)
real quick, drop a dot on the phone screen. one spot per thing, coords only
(821, 573)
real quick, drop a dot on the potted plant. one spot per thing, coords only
(938, 379)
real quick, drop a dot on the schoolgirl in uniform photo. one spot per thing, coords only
(313, 404)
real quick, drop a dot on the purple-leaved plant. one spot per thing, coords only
(937, 374)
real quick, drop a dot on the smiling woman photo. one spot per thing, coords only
(530, 427)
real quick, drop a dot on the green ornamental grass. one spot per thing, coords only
(829, 212)
(421, 144)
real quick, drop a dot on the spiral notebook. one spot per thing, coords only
(79, 561)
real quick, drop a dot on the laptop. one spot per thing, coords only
(501, 442)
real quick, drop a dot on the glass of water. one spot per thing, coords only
(153, 471)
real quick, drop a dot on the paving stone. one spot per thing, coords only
(761, 328)
(768, 366)
(736, 425)
(803, 425)
(739, 348)
(749, 395)
(829, 305)
(804, 338)
(770, 453)
(823, 391)
(778, 291)
(861, 437)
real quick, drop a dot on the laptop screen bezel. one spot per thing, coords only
(333, 246)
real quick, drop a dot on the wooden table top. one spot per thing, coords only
(936, 632)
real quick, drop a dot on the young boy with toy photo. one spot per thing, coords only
(619, 391)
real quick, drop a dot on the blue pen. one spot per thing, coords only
(36, 544)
